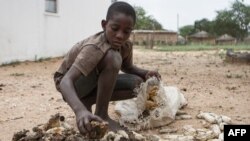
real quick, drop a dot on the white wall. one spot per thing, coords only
(27, 32)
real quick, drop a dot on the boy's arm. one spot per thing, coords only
(145, 74)
(83, 116)
(129, 67)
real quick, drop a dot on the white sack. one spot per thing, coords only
(134, 113)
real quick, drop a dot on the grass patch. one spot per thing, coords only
(43, 59)
(14, 63)
(201, 47)
(37, 60)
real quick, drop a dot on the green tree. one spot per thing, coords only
(202, 24)
(241, 16)
(235, 21)
(224, 23)
(145, 22)
(205, 25)
(187, 30)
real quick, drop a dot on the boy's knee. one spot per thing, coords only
(137, 81)
(128, 82)
(112, 60)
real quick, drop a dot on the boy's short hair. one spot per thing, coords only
(121, 7)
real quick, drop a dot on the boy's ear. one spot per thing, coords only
(104, 23)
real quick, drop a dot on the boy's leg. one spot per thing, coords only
(109, 68)
(85, 86)
(125, 84)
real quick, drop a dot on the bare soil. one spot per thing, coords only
(28, 96)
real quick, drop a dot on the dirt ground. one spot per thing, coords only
(28, 96)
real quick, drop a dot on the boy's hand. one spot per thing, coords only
(153, 73)
(83, 120)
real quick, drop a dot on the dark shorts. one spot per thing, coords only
(87, 84)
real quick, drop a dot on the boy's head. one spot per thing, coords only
(121, 7)
(119, 23)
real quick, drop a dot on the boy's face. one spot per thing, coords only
(118, 28)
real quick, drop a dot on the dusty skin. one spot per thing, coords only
(28, 96)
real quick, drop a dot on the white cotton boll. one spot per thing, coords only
(186, 138)
(55, 130)
(123, 134)
(205, 124)
(189, 130)
(138, 136)
(221, 136)
(66, 125)
(219, 120)
(199, 116)
(177, 137)
(216, 130)
(153, 138)
(226, 119)
(171, 137)
(117, 137)
(109, 136)
(222, 126)
(204, 135)
(214, 140)
(214, 115)
(208, 117)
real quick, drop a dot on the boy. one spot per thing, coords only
(89, 72)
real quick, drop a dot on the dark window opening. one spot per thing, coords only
(51, 6)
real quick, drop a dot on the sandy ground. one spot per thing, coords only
(28, 96)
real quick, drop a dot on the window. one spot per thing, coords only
(51, 6)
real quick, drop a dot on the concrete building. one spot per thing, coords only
(33, 29)
(247, 40)
(181, 40)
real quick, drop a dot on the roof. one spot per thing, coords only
(225, 37)
(247, 38)
(201, 34)
(180, 38)
(154, 31)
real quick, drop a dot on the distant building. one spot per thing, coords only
(181, 40)
(226, 40)
(33, 29)
(201, 37)
(153, 37)
(247, 40)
